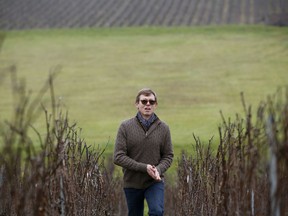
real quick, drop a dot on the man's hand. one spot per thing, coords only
(153, 172)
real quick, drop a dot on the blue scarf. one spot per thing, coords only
(146, 123)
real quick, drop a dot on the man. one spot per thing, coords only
(143, 149)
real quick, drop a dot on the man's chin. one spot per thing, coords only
(147, 114)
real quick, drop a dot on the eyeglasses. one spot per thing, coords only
(151, 102)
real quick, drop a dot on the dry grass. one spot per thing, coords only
(64, 177)
(247, 173)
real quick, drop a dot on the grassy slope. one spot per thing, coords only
(195, 71)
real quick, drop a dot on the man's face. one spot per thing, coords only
(146, 105)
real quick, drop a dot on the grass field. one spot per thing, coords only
(195, 71)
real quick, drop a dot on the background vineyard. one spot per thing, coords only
(114, 13)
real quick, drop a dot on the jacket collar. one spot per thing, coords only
(148, 125)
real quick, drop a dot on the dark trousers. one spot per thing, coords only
(154, 196)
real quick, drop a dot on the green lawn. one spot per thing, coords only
(196, 72)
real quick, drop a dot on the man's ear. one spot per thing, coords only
(136, 105)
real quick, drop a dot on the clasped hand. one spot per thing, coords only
(153, 172)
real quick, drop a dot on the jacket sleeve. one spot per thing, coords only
(120, 153)
(166, 153)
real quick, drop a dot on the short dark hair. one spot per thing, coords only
(146, 92)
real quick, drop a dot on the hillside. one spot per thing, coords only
(15, 14)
